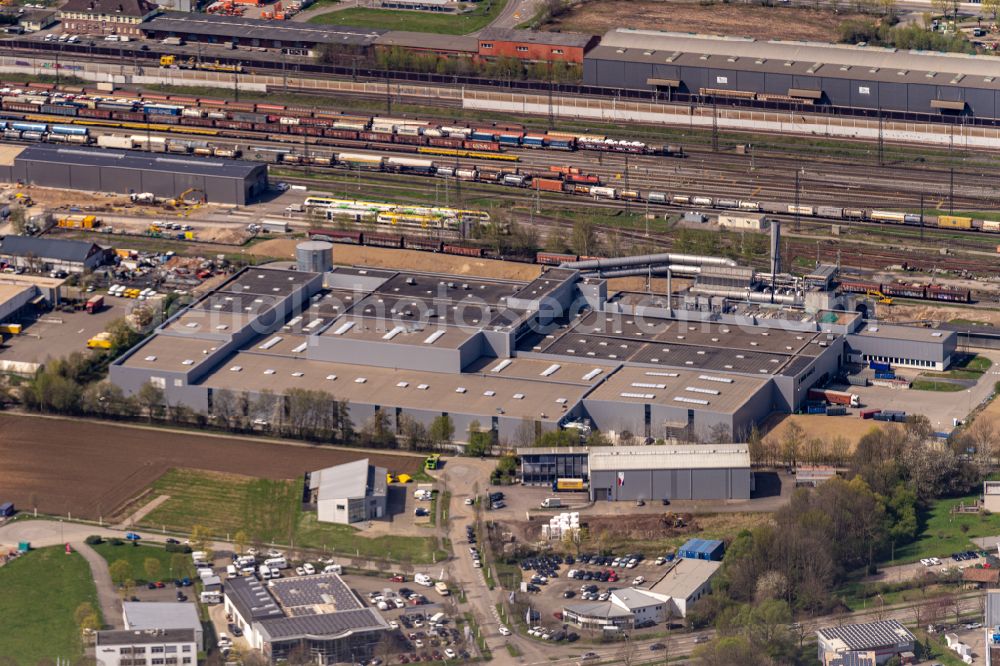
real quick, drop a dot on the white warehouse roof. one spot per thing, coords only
(679, 456)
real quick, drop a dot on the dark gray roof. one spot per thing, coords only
(186, 23)
(132, 8)
(326, 626)
(145, 636)
(799, 58)
(992, 609)
(252, 600)
(868, 636)
(427, 40)
(533, 37)
(47, 248)
(102, 157)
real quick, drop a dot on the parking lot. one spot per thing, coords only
(55, 334)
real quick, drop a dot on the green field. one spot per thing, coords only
(39, 593)
(269, 512)
(931, 385)
(388, 19)
(944, 533)
(136, 556)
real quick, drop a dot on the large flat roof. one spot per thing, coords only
(683, 389)
(124, 159)
(271, 281)
(9, 291)
(804, 58)
(353, 480)
(399, 331)
(684, 578)
(867, 636)
(909, 333)
(680, 456)
(535, 37)
(171, 353)
(186, 23)
(161, 615)
(458, 393)
(426, 40)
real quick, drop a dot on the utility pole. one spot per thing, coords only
(797, 218)
(921, 216)
(951, 189)
(881, 139)
(715, 126)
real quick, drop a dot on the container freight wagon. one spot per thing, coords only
(835, 397)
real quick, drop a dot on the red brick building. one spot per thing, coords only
(535, 46)
(105, 17)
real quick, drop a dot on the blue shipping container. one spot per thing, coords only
(7, 509)
(879, 366)
(510, 140)
(885, 375)
(534, 141)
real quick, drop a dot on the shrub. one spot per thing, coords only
(178, 548)
(94, 540)
(115, 541)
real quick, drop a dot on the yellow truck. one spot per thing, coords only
(100, 341)
(10, 329)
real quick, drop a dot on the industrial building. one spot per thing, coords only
(348, 493)
(688, 471)
(259, 33)
(811, 74)
(886, 638)
(991, 622)
(122, 647)
(522, 358)
(222, 181)
(536, 46)
(142, 616)
(545, 466)
(319, 615)
(40, 254)
(105, 17)
(702, 549)
(670, 596)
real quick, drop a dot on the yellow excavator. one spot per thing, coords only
(182, 198)
(881, 298)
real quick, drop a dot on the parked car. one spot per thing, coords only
(132, 536)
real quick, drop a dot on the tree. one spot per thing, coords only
(479, 443)
(240, 541)
(791, 443)
(151, 397)
(121, 574)
(442, 431)
(377, 431)
(17, 220)
(82, 611)
(199, 539)
(151, 566)
(584, 238)
(993, 7)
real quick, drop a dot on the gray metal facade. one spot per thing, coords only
(101, 170)
(674, 484)
(545, 467)
(851, 92)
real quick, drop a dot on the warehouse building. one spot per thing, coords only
(125, 648)
(418, 346)
(534, 45)
(683, 471)
(348, 493)
(811, 74)
(902, 346)
(318, 615)
(886, 638)
(258, 33)
(101, 170)
(40, 254)
(105, 17)
(702, 549)
(684, 584)
(141, 616)
(14, 297)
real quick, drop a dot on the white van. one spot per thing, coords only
(231, 571)
(423, 579)
(277, 562)
(442, 588)
(248, 570)
(333, 568)
(265, 572)
(437, 617)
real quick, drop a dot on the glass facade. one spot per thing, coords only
(542, 469)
